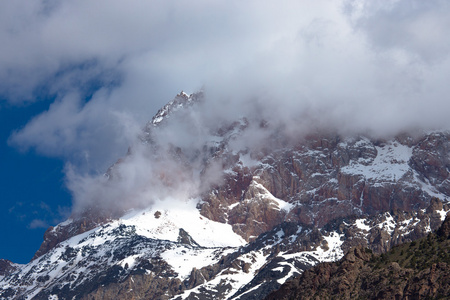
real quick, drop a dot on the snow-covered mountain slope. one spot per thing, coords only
(212, 213)
(414, 270)
(164, 253)
(155, 240)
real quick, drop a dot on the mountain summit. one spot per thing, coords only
(205, 208)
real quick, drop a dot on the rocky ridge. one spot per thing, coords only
(141, 256)
(414, 270)
(284, 208)
(7, 267)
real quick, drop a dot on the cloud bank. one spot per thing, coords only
(379, 67)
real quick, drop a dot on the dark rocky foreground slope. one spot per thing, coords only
(414, 270)
(258, 216)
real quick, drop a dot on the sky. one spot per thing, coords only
(79, 79)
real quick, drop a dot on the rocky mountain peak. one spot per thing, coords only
(226, 220)
(181, 101)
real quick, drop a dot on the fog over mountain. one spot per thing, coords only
(373, 67)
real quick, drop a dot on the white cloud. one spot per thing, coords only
(90, 135)
(38, 223)
(353, 65)
(414, 29)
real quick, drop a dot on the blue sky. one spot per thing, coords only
(33, 194)
(79, 79)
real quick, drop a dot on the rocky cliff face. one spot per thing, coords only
(417, 270)
(257, 217)
(324, 178)
(76, 225)
(7, 267)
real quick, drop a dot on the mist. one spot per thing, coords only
(372, 67)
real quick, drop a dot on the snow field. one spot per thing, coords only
(390, 164)
(176, 214)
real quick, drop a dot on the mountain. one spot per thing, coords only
(232, 209)
(414, 270)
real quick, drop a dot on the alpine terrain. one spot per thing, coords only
(235, 209)
(415, 270)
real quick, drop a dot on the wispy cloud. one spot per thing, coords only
(38, 223)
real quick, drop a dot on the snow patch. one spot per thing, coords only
(185, 215)
(278, 269)
(332, 253)
(248, 291)
(388, 225)
(443, 214)
(360, 223)
(231, 206)
(184, 259)
(235, 280)
(292, 271)
(130, 261)
(390, 164)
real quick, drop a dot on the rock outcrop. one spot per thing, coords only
(7, 267)
(416, 270)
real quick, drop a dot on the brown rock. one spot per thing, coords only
(6, 267)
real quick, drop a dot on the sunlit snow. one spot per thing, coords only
(360, 223)
(176, 214)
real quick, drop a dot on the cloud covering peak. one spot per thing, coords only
(379, 67)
